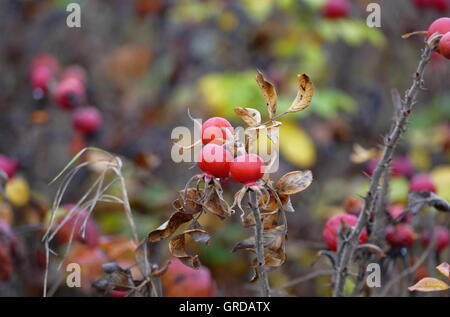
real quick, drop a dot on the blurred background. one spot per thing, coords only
(144, 63)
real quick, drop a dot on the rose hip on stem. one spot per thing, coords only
(247, 168)
(214, 160)
(331, 230)
(87, 120)
(212, 130)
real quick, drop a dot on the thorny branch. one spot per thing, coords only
(347, 247)
(259, 239)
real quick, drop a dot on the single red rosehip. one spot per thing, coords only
(331, 229)
(353, 206)
(44, 60)
(43, 69)
(335, 9)
(441, 26)
(396, 210)
(69, 93)
(214, 160)
(401, 235)
(247, 168)
(444, 45)
(76, 220)
(402, 165)
(87, 120)
(182, 281)
(421, 182)
(442, 238)
(212, 130)
(40, 78)
(76, 72)
(440, 5)
(8, 165)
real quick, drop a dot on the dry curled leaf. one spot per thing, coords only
(250, 116)
(191, 205)
(304, 94)
(177, 247)
(429, 284)
(293, 182)
(270, 220)
(216, 205)
(269, 93)
(416, 200)
(169, 227)
(444, 269)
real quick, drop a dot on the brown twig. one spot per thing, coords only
(347, 247)
(259, 246)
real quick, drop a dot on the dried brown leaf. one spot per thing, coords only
(177, 247)
(294, 182)
(250, 116)
(304, 94)
(269, 93)
(444, 269)
(169, 227)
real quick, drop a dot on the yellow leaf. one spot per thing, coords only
(361, 155)
(304, 94)
(429, 284)
(296, 145)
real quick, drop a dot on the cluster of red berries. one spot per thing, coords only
(441, 26)
(216, 161)
(441, 6)
(336, 9)
(68, 91)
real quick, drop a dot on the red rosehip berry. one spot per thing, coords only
(331, 230)
(401, 235)
(440, 5)
(212, 130)
(183, 281)
(396, 210)
(214, 160)
(423, 4)
(76, 72)
(76, 220)
(442, 238)
(43, 69)
(421, 182)
(8, 165)
(444, 45)
(402, 165)
(247, 168)
(441, 26)
(87, 120)
(335, 9)
(69, 93)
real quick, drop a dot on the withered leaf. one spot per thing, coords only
(273, 203)
(198, 234)
(429, 284)
(270, 220)
(416, 200)
(191, 205)
(250, 116)
(169, 227)
(269, 93)
(273, 258)
(216, 205)
(272, 239)
(177, 247)
(304, 94)
(444, 269)
(294, 182)
(161, 270)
